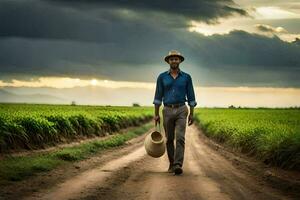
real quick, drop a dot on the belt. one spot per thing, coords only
(174, 105)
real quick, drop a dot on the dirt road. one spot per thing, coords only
(134, 175)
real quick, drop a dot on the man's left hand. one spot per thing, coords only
(190, 119)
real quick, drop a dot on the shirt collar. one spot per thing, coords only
(180, 72)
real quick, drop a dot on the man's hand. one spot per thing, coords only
(190, 119)
(156, 119)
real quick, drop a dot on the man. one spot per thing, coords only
(172, 88)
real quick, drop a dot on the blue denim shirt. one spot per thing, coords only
(172, 91)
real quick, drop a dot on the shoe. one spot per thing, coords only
(177, 170)
(171, 168)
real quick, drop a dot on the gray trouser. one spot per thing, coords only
(174, 122)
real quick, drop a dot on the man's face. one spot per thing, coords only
(174, 62)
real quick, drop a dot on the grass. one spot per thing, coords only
(21, 167)
(34, 126)
(271, 135)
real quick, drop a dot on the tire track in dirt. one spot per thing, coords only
(207, 175)
(80, 184)
(135, 175)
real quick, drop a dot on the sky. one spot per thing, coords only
(244, 51)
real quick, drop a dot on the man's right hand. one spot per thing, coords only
(157, 119)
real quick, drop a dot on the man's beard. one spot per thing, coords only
(174, 66)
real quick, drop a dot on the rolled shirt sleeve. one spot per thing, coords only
(190, 93)
(158, 91)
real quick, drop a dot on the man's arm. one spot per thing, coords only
(191, 99)
(156, 110)
(190, 93)
(191, 110)
(158, 98)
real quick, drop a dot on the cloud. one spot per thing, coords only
(242, 58)
(236, 58)
(203, 10)
(107, 40)
(296, 41)
(66, 82)
(95, 21)
(274, 12)
(278, 31)
(240, 48)
(270, 29)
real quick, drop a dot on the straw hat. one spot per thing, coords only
(174, 53)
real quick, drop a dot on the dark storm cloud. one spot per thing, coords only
(204, 10)
(39, 20)
(269, 29)
(240, 48)
(60, 40)
(88, 20)
(101, 40)
(265, 28)
(234, 59)
(242, 59)
(291, 25)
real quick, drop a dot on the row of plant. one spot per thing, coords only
(31, 126)
(272, 135)
(15, 168)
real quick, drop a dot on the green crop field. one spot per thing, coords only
(272, 135)
(31, 126)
